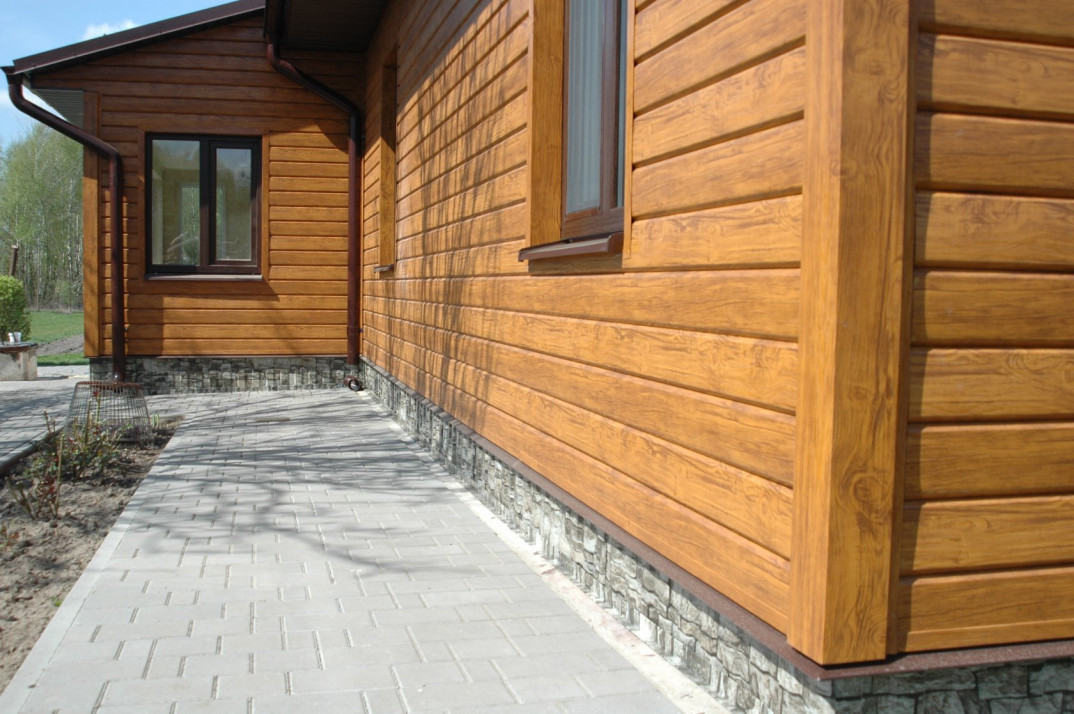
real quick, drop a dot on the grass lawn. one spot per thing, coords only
(48, 326)
(65, 360)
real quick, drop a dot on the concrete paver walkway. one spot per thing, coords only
(293, 552)
(23, 404)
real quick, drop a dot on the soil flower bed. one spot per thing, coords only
(40, 560)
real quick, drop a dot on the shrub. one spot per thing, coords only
(65, 455)
(13, 314)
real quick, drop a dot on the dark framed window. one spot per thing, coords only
(203, 197)
(594, 123)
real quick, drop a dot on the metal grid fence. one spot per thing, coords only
(117, 406)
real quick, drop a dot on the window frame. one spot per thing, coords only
(386, 201)
(546, 200)
(607, 216)
(208, 264)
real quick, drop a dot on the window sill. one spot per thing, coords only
(194, 277)
(608, 244)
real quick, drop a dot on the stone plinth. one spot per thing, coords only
(18, 361)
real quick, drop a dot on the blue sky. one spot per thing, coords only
(31, 26)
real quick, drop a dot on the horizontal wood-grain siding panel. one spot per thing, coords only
(974, 230)
(485, 165)
(755, 166)
(483, 260)
(1012, 78)
(756, 234)
(981, 308)
(747, 437)
(503, 224)
(944, 612)
(425, 166)
(1038, 20)
(986, 534)
(753, 31)
(302, 296)
(744, 369)
(661, 22)
(769, 93)
(209, 331)
(994, 154)
(991, 384)
(238, 347)
(167, 316)
(988, 460)
(759, 303)
(499, 192)
(459, 111)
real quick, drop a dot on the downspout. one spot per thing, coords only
(115, 190)
(355, 144)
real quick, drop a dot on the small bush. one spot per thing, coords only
(86, 450)
(13, 314)
(8, 537)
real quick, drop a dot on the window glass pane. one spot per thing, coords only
(234, 204)
(176, 202)
(584, 72)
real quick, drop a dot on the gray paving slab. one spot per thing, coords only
(294, 551)
(23, 406)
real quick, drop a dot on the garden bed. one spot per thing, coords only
(40, 560)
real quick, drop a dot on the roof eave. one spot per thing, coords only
(98, 47)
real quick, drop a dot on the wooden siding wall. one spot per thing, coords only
(988, 534)
(219, 82)
(661, 392)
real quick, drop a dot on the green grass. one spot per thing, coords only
(48, 325)
(64, 360)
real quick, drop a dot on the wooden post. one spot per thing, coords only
(855, 278)
(14, 259)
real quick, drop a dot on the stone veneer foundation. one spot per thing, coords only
(739, 659)
(186, 375)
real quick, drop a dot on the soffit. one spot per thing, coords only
(323, 25)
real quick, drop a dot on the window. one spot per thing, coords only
(203, 204)
(578, 125)
(594, 126)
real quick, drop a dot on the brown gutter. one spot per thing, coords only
(115, 190)
(355, 144)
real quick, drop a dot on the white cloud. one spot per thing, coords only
(106, 28)
(5, 101)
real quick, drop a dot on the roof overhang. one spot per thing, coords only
(98, 47)
(323, 25)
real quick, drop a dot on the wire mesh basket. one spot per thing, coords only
(117, 406)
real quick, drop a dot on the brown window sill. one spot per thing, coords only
(606, 244)
(188, 277)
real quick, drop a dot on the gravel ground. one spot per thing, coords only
(61, 346)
